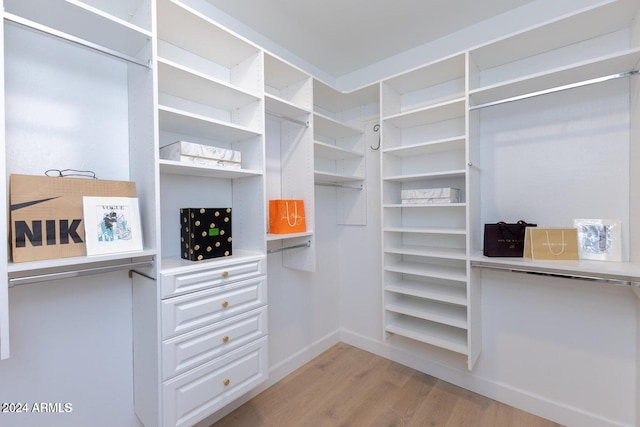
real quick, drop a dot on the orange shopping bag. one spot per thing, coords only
(286, 216)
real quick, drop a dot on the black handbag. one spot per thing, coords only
(505, 240)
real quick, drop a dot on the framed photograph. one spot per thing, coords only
(111, 225)
(599, 239)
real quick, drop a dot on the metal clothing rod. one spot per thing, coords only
(286, 248)
(73, 39)
(556, 89)
(330, 184)
(599, 279)
(289, 119)
(16, 281)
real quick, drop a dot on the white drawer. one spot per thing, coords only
(210, 274)
(193, 396)
(199, 309)
(187, 351)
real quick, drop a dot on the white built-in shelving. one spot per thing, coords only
(289, 151)
(424, 145)
(443, 126)
(102, 47)
(339, 145)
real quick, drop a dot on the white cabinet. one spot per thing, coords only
(214, 346)
(55, 54)
(289, 152)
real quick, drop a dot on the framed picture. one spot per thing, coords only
(599, 239)
(111, 225)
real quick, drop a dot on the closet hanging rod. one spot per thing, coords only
(556, 89)
(599, 279)
(73, 39)
(289, 119)
(16, 281)
(331, 184)
(286, 248)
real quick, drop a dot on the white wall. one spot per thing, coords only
(71, 343)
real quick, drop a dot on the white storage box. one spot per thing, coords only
(430, 195)
(204, 155)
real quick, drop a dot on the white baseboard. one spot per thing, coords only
(555, 411)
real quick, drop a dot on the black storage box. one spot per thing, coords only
(205, 233)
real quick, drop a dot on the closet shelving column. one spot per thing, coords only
(52, 37)
(425, 268)
(289, 151)
(528, 67)
(339, 156)
(210, 330)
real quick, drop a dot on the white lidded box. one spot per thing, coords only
(200, 154)
(430, 195)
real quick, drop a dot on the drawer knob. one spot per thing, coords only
(225, 274)
(225, 339)
(226, 382)
(225, 304)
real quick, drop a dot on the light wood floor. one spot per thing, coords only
(349, 387)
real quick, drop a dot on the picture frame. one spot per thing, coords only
(599, 239)
(111, 225)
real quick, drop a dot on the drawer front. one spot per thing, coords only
(218, 274)
(187, 351)
(193, 396)
(199, 309)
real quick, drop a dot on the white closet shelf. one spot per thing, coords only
(204, 38)
(277, 237)
(434, 291)
(593, 21)
(432, 74)
(424, 205)
(330, 100)
(332, 128)
(446, 314)
(583, 71)
(456, 143)
(428, 270)
(183, 82)
(182, 122)
(443, 336)
(82, 21)
(280, 75)
(426, 230)
(429, 114)
(432, 252)
(328, 151)
(285, 109)
(458, 173)
(582, 269)
(181, 168)
(330, 178)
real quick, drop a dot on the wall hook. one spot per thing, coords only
(376, 128)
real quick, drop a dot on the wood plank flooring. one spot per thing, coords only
(349, 387)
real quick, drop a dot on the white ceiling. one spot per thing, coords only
(342, 36)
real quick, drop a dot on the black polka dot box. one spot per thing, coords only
(205, 233)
